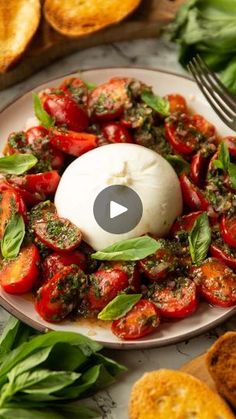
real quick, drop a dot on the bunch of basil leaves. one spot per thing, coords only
(42, 375)
(208, 28)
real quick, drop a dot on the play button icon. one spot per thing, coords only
(117, 209)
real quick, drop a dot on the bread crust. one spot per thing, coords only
(168, 394)
(19, 20)
(221, 364)
(81, 17)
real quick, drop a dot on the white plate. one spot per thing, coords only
(13, 119)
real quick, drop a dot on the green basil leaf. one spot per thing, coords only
(200, 239)
(119, 306)
(65, 357)
(74, 411)
(223, 160)
(45, 119)
(17, 164)
(232, 174)
(19, 413)
(13, 237)
(113, 367)
(132, 249)
(157, 103)
(90, 86)
(178, 163)
(45, 382)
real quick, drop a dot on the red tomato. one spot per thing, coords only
(157, 266)
(66, 111)
(230, 141)
(76, 88)
(177, 103)
(203, 126)
(19, 275)
(181, 134)
(105, 285)
(220, 252)
(55, 262)
(198, 169)
(29, 198)
(73, 143)
(217, 283)
(192, 196)
(11, 202)
(34, 133)
(116, 133)
(184, 224)
(131, 269)
(142, 320)
(42, 212)
(228, 230)
(58, 234)
(107, 101)
(44, 183)
(59, 296)
(16, 142)
(176, 298)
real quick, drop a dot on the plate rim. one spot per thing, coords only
(122, 345)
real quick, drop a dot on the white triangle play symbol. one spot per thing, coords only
(116, 209)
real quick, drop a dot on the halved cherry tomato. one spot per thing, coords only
(131, 269)
(66, 111)
(11, 202)
(29, 198)
(19, 275)
(142, 320)
(177, 103)
(192, 196)
(34, 133)
(58, 234)
(16, 142)
(175, 298)
(76, 88)
(217, 283)
(42, 183)
(230, 141)
(228, 230)
(73, 143)
(57, 261)
(59, 296)
(203, 126)
(157, 266)
(105, 285)
(116, 133)
(198, 169)
(108, 100)
(184, 224)
(42, 212)
(222, 252)
(181, 134)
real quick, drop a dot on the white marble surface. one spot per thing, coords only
(144, 53)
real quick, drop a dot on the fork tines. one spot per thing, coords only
(223, 103)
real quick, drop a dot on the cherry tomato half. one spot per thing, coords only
(203, 126)
(132, 270)
(105, 285)
(157, 266)
(19, 275)
(184, 224)
(66, 111)
(55, 262)
(223, 253)
(73, 143)
(198, 169)
(181, 134)
(76, 88)
(34, 133)
(142, 320)
(107, 101)
(175, 298)
(228, 230)
(59, 296)
(116, 133)
(42, 183)
(217, 283)
(192, 196)
(177, 103)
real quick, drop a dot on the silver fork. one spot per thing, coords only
(221, 100)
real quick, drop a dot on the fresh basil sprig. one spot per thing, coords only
(13, 237)
(200, 239)
(45, 119)
(157, 103)
(178, 163)
(119, 306)
(132, 249)
(17, 164)
(223, 163)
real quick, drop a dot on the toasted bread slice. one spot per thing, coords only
(81, 17)
(168, 394)
(19, 20)
(221, 364)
